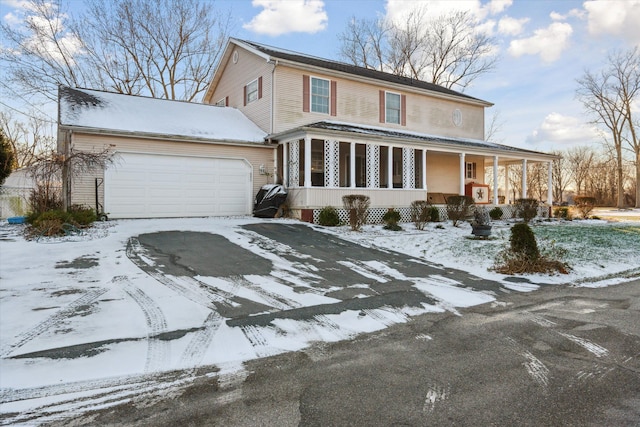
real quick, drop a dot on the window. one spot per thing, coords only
(251, 92)
(392, 108)
(222, 102)
(320, 95)
(471, 171)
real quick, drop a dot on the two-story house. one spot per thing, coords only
(328, 129)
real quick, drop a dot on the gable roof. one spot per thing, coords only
(102, 112)
(464, 144)
(271, 53)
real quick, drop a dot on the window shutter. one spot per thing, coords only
(334, 103)
(403, 110)
(305, 93)
(226, 101)
(244, 95)
(259, 87)
(382, 106)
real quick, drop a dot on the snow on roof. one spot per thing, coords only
(105, 111)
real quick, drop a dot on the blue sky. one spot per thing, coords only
(544, 46)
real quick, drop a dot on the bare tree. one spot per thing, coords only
(444, 50)
(579, 162)
(28, 140)
(160, 48)
(626, 68)
(41, 53)
(537, 180)
(560, 176)
(608, 96)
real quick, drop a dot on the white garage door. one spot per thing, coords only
(156, 186)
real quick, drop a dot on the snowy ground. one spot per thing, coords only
(85, 295)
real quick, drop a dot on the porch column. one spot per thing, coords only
(462, 175)
(424, 170)
(285, 164)
(390, 167)
(506, 184)
(495, 180)
(294, 167)
(524, 178)
(549, 183)
(331, 163)
(307, 162)
(408, 166)
(373, 165)
(352, 167)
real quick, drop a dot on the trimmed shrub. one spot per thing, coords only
(496, 213)
(562, 212)
(328, 217)
(434, 214)
(585, 205)
(527, 209)
(358, 207)
(391, 219)
(523, 242)
(523, 255)
(420, 213)
(459, 208)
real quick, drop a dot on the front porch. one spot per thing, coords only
(319, 167)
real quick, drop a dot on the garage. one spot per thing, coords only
(163, 186)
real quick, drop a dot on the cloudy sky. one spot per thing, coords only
(544, 46)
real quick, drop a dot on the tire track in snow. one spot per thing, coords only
(257, 340)
(81, 396)
(591, 347)
(158, 351)
(201, 340)
(537, 370)
(52, 320)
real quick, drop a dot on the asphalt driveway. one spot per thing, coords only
(348, 276)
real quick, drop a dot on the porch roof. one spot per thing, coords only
(441, 143)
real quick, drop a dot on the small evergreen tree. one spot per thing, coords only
(7, 157)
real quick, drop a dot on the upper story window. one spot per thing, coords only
(471, 170)
(392, 108)
(222, 103)
(251, 92)
(320, 95)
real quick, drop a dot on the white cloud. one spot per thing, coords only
(288, 16)
(399, 9)
(566, 130)
(511, 26)
(578, 13)
(498, 6)
(548, 42)
(614, 17)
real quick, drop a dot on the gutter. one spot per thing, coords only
(165, 137)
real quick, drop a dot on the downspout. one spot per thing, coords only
(272, 122)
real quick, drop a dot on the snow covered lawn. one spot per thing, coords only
(116, 333)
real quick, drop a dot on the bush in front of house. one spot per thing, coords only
(328, 217)
(420, 213)
(585, 205)
(562, 212)
(57, 222)
(358, 207)
(527, 209)
(496, 213)
(523, 255)
(459, 208)
(391, 219)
